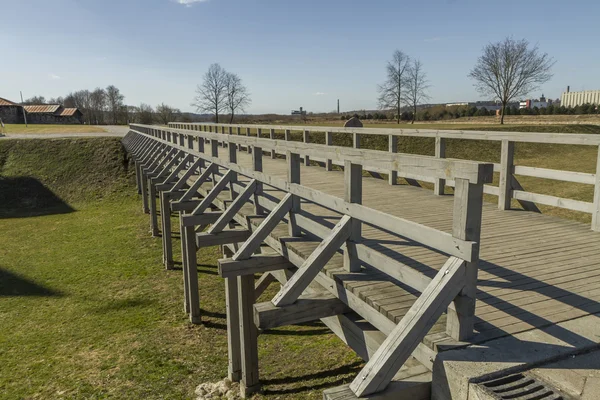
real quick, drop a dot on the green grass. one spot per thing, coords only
(49, 128)
(88, 311)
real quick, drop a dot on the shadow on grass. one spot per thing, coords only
(350, 369)
(24, 196)
(13, 285)
(124, 304)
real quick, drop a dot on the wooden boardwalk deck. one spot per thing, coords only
(535, 270)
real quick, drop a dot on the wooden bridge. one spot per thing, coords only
(398, 272)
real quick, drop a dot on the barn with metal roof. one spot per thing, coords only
(13, 113)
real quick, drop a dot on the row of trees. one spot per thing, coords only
(406, 84)
(221, 92)
(99, 106)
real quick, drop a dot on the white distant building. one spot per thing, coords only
(572, 99)
(529, 104)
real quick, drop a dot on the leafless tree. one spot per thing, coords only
(114, 100)
(237, 96)
(211, 95)
(511, 69)
(391, 91)
(416, 87)
(35, 100)
(98, 102)
(166, 114)
(145, 114)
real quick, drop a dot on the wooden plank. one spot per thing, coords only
(205, 239)
(440, 152)
(353, 194)
(204, 176)
(256, 264)
(233, 330)
(264, 229)
(401, 342)
(233, 208)
(205, 218)
(263, 283)
(209, 198)
(249, 336)
(554, 174)
(569, 204)
(506, 170)
(290, 292)
(308, 307)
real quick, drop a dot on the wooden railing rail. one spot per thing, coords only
(509, 187)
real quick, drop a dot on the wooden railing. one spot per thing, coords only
(509, 187)
(174, 164)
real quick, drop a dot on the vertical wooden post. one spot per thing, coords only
(233, 325)
(306, 139)
(356, 140)
(165, 214)
(232, 150)
(248, 148)
(293, 161)
(287, 135)
(153, 211)
(440, 152)
(214, 152)
(257, 165)
(506, 172)
(466, 225)
(328, 142)
(186, 287)
(138, 176)
(201, 150)
(272, 137)
(189, 236)
(190, 141)
(258, 132)
(393, 148)
(249, 334)
(596, 210)
(352, 194)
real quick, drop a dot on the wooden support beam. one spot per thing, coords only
(272, 137)
(165, 214)
(308, 307)
(393, 148)
(353, 194)
(187, 206)
(263, 283)
(205, 239)
(596, 204)
(205, 218)
(193, 189)
(306, 139)
(466, 225)
(256, 264)
(153, 210)
(328, 142)
(234, 207)
(314, 263)
(212, 195)
(403, 340)
(191, 270)
(268, 224)
(440, 152)
(293, 168)
(233, 329)
(506, 173)
(249, 336)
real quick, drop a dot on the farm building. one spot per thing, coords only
(12, 113)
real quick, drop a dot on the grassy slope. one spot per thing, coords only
(50, 128)
(87, 310)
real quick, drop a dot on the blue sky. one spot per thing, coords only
(288, 53)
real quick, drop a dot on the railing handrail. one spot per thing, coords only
(409, 164)
(508, 188)
(496, 136)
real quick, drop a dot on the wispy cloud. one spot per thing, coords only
(320, 94)
(189, 3)
(53, 76)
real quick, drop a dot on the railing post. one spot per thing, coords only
(272, 137)
(356, 140)
(232, 150)
(506, 171)
(393, 148)
(293, 161)
(190, 142)
(306, 139)
(596, 210)
(248, 148)
(257, 165)
(352, 194)
(439, 184)
(466, 225)
(328, 142)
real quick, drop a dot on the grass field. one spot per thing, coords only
(50, 128)
(87, 310)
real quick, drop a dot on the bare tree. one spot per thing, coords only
(237, 96)
(416, 87)
(114, 100)
(166, 114)
(35, 100)
(211, 96)
(98, 102)
(511, 69)
(391, 91)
